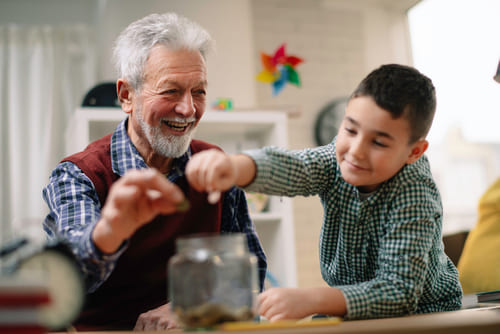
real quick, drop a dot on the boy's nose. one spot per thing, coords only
(357, 149)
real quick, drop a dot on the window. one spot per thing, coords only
(457, 44)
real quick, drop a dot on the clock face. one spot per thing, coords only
(65, 284)
(328, 121)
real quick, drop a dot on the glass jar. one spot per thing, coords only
(212, 279)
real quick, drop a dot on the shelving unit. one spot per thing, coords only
(233, 131)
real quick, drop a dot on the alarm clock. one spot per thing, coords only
(56, 266)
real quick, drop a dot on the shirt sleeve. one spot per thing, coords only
(74, 209)
(404, 265)
(236, 219)
(293, 172)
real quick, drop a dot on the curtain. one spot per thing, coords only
(44, 74)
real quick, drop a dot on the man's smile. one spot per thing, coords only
(177, 126)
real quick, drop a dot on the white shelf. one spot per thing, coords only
(233, 131)
(266, 217)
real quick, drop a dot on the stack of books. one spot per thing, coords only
(489, 297)
(21, 301)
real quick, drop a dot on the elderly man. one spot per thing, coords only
(122, 202)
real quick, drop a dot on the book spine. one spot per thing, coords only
(20, 316)
(22, 329)
(23, 299)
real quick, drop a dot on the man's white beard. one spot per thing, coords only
(168, 146)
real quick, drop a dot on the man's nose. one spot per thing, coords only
(185, 106)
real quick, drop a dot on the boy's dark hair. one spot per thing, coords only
(402, 91)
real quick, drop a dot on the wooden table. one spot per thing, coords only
(485, 320)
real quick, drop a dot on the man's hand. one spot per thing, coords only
(156, 319)
(134, 200)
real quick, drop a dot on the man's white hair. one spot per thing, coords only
(171, 30)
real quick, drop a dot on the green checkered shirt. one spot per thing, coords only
(383, 252)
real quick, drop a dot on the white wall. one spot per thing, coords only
(228, 21)
(464, 139)
(230, 70)
(48, 11)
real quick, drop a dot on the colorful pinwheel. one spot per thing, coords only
(279, 69)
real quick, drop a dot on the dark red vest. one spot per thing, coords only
(139, 281)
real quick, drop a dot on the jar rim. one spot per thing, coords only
(210, 240)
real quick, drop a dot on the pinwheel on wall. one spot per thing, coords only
(279, 69)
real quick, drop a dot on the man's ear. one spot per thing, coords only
(125, 95)
(417, 150)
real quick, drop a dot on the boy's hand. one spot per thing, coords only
(211, 170)
(284, 304)
(297, 303)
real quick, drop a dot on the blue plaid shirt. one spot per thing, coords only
(382, 250)
(75, 209)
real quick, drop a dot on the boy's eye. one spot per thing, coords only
(379, 143)
(351, 131)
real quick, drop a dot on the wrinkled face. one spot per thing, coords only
(171, 100)
(371, 146)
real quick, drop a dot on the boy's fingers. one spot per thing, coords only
(194, 173)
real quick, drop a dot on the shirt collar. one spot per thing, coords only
(124, 155)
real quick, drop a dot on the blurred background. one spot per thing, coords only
(53, 51)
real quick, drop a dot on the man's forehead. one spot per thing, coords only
(175, 58)
(176, 65)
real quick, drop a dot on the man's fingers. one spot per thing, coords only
(160, 318)
(139, 325)
(154, 185)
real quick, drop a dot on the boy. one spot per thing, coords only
(380, 245)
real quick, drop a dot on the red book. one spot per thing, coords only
(20, 299)
(22, 292)
(22, 329)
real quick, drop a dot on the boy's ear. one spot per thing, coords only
(125, 95)
(417, 150)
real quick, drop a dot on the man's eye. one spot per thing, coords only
(169, 91)
(200, 92)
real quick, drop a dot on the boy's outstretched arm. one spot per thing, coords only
(213, 170)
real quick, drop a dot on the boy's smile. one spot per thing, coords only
(371, 146)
